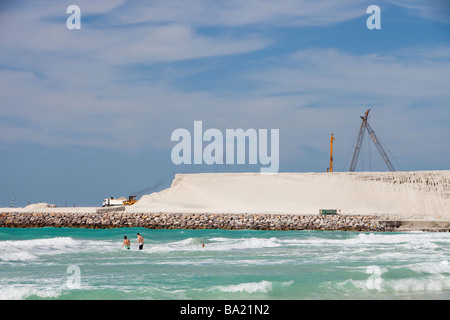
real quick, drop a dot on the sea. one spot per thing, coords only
(90, 264)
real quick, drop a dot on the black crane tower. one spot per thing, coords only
(365, 126)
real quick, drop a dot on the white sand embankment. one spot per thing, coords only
(46, 207)
(403, 195)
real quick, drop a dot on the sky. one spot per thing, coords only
(88, 113)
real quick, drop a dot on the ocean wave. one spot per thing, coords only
(39, 243)
(248, 287)
(221, 262)
(431, 267)
(24, 292)
(17, 256)
(416, 285)
(214, 244)
(386, 286)
(360, 242)
(29, 250)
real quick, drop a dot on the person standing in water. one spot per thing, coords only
(126, 243)
(140, 240)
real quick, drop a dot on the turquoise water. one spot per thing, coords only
(63, 263)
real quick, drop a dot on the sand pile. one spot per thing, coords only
(46, 207)
(407, 195)
(40, 205)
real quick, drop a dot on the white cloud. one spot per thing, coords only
(241, 13)
(437, 10)
(176, 42)
(39, 32)
(406, 76)
(327, 89)
(66, 88)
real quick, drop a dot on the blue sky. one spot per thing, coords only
(85, 114)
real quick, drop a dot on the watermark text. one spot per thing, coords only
(236, 146)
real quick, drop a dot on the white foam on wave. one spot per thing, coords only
(189, 244)
(29, 250)
(17, 256)
(426, 240)
(432, 277)
(410, 242)
(214, 244)
(398, 286)
(248, 287)
(39, 244)
(440, 267)
(246, 243)
(24, 292)
(416, 285)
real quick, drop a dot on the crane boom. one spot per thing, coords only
(365, 125)
(379, 147)
(359, 142)
(330, 169)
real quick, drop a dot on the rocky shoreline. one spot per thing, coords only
(120, 219)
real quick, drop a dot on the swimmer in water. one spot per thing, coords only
(126, 243)
(140, 240)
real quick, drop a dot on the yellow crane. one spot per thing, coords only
(330, 169)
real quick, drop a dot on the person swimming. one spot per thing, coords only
(126, 243)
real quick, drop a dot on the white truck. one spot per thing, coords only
(111, 201)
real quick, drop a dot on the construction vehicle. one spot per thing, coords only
(122, 201)
(111, 201)
(131, 200)
(365, 126)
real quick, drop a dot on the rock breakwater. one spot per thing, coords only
(120, 219)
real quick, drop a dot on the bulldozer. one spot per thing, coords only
(131, 200)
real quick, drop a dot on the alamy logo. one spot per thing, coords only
(230, 148)
(74, 20)
(375, 280)
(74, 280)
(374, 21)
